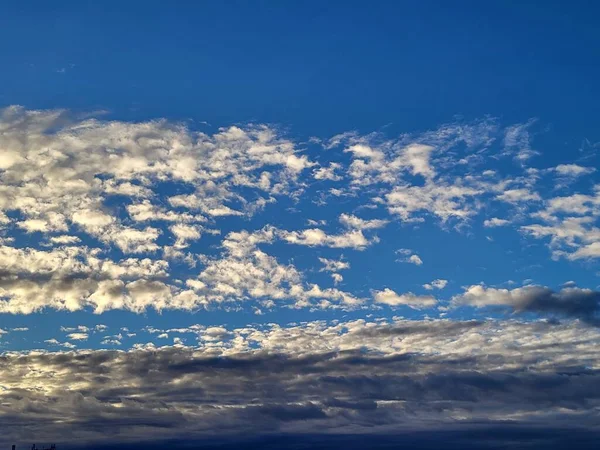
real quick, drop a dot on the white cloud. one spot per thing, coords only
(436, 284)
(328, 173)
(337, 278)
(65, 240)
(353, 222)
(316, 237)
(78, 336)
(333, 265)
(60, 179)
(409, 257)
(415, 259)
(518, 195)
(106, 233)
(517, 141)
(389, 297)
(495, 222)
(573, 170)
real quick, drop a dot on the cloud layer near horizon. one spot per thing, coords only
(343, 377)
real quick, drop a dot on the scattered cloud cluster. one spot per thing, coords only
(122, 215)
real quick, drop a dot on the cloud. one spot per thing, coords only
(328, 173)
(245, 272)
(568, 302)
(409, 257)
(389, 297)
(380, 377)
(356, 223)
(333, 265)
(518, 195)
(72, 278)
(443, 200)
(78, 336)
(65, 240)
(313, 237)
(573, 170)
(436, 284)
(102, 215)
(415, 259)
(572, 237)
(517, 141)
(495, 222)
(60, 178)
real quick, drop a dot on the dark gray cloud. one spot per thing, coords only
(568, 302)
(394, 378)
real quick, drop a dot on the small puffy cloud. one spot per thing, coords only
(495, 222)
(573, 170)
(408, 256)
(333, 265)
(328, 173)
(415, 259)
(518, 195)
(314, 237)
(185, 233)
(446, 201)
(389, 297)
(436, 284)
(353, 222)
(337, 278)
(65, 240)
(78, 336)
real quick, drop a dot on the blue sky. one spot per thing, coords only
(217, 178)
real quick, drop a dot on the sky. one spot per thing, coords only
(299, 223)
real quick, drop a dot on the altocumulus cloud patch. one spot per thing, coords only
(121, 215)
(100, 216)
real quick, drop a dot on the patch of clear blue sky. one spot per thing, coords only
(318, 69)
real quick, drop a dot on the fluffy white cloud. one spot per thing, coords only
(125, 215)
(353, 222)
(78, 336)
(328, 173)
(333, 265)
(495, 222)
(57, 172)
(436, 284)
(389, 297)
(316, 237)
(409, 257)
(518, 195)
(573, 170)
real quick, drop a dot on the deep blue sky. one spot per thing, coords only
(321, 67)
